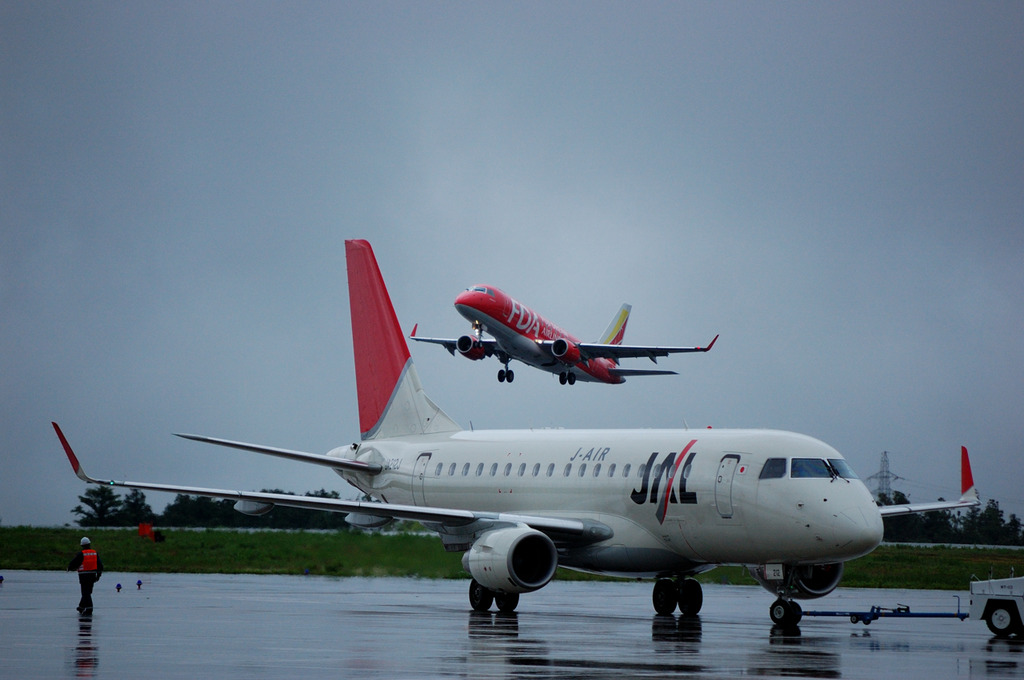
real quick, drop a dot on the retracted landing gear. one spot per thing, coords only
(480, 598)
(786, 613)
(683, 593)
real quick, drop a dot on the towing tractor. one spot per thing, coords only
(1000, 603)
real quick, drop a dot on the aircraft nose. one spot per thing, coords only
(473, 295)
(859, 530)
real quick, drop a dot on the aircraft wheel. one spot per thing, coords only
(561, 378)
(571, 378)
(785, 613)
(480, 598)
(507, 602)
(509, 375)
(690, 596)
(501, 375)
(664, 596)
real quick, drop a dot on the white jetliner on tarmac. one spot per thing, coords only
(664, 504)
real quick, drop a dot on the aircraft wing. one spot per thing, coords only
(913, 508)
(579, 529)
(593, 350)
(489, 345)
(968, 497)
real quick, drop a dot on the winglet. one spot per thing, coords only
(75, 465)
(413, 334)
(713, 341)
(968, 491)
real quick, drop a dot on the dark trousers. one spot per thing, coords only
(86, 579)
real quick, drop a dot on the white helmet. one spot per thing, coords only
(85, 540)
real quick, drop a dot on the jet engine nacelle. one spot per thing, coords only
(565, 351)
(805, 581)
(470, 348)
(253, 508)
(513, 560)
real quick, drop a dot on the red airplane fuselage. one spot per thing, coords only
(518, 331)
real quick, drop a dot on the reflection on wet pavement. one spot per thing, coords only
(180, 626)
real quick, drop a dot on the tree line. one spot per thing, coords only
(101, 506)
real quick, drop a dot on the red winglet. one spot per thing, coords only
(708, 348)
(75, 465)
(966, 478)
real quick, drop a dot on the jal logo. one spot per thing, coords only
(672, 472)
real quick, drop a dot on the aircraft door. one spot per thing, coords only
(723, 484)
(418, 474)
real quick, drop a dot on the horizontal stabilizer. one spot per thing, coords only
(627, 372)
(314, 458)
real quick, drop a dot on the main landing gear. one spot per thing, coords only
(786, 613)
(506, 374)
(567, 377)
(684, 593)
(481, 598)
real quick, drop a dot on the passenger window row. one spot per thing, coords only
(535, 471)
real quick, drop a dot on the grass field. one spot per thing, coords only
(353, 553)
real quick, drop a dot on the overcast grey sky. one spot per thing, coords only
(835, 188)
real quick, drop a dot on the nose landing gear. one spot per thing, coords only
(785, 613)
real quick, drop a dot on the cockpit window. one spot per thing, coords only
(482, 289)
(810, 467)
(842, 468)
(774, 468)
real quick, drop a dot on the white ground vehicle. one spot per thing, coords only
(1000, 602)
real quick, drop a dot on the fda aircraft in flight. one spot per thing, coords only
(662, 504)
(523, 334)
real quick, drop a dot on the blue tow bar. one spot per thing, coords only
(900, 611)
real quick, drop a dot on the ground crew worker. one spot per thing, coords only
(90, 567)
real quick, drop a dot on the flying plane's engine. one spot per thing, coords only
(565, 351)
(513, 560)
(470, 348)
(805, 581)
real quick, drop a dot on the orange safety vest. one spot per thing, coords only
(88, 561)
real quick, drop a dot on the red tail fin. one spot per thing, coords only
(391, 400)
(380, 349)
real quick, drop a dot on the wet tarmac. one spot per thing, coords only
(189, 626)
